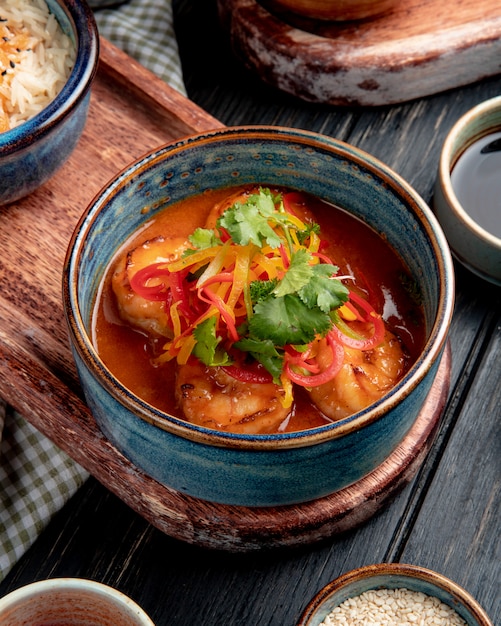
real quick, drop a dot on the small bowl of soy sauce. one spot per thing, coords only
(467, 197)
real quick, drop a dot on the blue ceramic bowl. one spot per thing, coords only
(394, 576)
(256, 470)
(32, 152)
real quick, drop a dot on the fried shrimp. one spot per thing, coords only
(210, 397)
(141, 312)
(364, 377)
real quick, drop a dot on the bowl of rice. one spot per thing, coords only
(49, 52)
(393, 594)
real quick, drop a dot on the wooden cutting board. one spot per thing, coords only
(133, 112)
(419, 48)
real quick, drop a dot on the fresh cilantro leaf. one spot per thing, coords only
(298, 274)
(287, 320)
(310, 227)
(323, 290)
(204, 238)
(260, 289)
(206, 348)
(265, 353)
(248, 222)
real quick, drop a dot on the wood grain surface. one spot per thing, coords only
(37, 375)
(446, 519)
(418, 48)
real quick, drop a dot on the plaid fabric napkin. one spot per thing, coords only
(36, 477)
(144, 29)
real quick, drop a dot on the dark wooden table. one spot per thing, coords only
(448, 518)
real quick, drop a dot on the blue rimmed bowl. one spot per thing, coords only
(33, 151)
(256, 470)
(384, 576)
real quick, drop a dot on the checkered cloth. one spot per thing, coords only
(144, 29)
(36, 477)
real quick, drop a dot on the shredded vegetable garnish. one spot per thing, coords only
(256, 293)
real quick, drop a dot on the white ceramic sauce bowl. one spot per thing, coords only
(472, 244)
(70, 602)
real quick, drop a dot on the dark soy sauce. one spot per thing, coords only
(476, 180)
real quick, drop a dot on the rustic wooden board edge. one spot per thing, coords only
(326, 70)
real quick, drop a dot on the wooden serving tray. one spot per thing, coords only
(131, 113)
(420, 47)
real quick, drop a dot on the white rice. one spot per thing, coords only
(33, 75)
(393, 607)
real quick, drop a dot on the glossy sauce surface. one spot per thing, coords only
(356, 249)
(476, 180)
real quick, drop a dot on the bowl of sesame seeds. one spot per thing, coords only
(49, 53)
(393, 594)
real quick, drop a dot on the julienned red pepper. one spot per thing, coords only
(139, 282)
(365, 343)
(180, 293)
(326, 375)
(291, 198)
(285, 258)
(301, 359)
(211, 298)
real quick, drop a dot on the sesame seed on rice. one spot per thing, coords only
(393, 607)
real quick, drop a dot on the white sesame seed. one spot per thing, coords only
(393, 607)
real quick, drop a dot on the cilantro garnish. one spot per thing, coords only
(260, 289)
(298, 274)
(252, 222)
(203, 238)
(287, 320)
(207, 347)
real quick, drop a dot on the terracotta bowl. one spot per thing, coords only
(394, 576)
(33, 151)
(64, 601)
(471, 220)
(257, 470)
(336, 10)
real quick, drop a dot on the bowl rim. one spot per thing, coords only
(405, 570)
(76, 585)
(83, 24)
(430, 353)
(450, 153)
